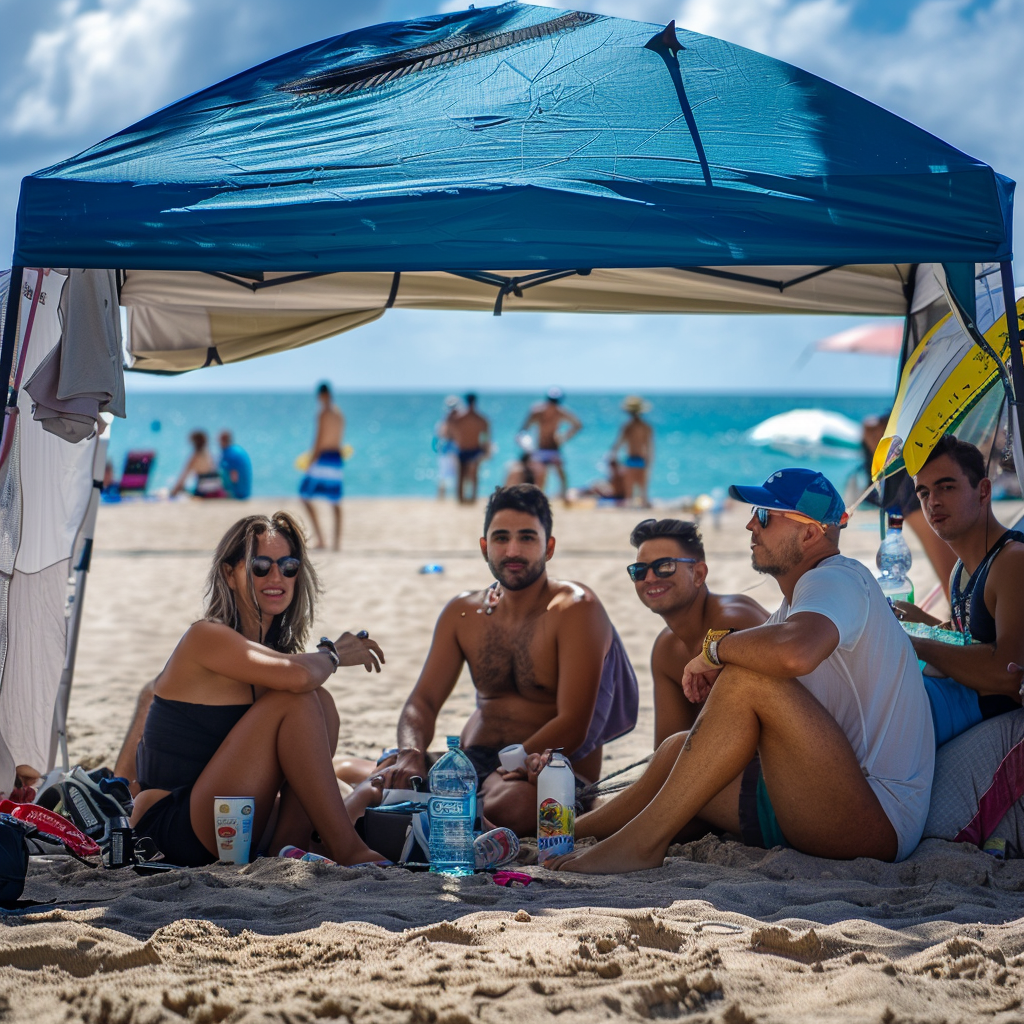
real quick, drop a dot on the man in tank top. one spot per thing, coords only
(981, 679)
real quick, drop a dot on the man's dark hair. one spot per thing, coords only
(964, 454)
(684, 533)
(522, 498)
(324, 389)
(471, 399)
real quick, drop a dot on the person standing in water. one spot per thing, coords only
(548, 416)
(638, 437)
(324, 477)
(471, 433)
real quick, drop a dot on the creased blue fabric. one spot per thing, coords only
(515, 137)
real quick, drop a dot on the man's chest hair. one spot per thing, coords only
(505, 660)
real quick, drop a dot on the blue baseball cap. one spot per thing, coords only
(797, 490)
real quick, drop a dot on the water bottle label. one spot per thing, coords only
(448, 807)
(553, 846)
(556, 825)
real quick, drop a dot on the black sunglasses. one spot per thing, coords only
(663, 568)
(289, 565)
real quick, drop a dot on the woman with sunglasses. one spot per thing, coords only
(239, 708)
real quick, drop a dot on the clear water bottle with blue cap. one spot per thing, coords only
(452, 812)
(894, 561)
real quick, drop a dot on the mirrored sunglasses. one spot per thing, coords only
(663, 568)
(764, 516)
(289, 565)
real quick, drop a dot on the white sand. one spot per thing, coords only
(721, 932)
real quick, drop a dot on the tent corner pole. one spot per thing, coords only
(1016, 358)
(10, 336)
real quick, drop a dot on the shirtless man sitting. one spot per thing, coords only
(670, 576)
(549, 668)
(827, 693)
(969, 683)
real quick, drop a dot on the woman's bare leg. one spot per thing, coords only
(282, 738)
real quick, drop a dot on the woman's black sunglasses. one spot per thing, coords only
(663, 568)
(288, 565)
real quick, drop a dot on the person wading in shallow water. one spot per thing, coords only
(827, 694)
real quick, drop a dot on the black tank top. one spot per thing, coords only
(179, 739)
(974, 620)
(970, 615)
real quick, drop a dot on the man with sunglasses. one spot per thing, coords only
(670, 577)
(826, 694)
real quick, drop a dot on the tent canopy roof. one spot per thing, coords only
(515, 136)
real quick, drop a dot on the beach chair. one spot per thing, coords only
(135, 475)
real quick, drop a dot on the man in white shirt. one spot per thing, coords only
(827, 693)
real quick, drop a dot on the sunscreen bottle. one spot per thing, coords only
(556, 808)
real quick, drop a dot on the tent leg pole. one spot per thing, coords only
(8, 345)
(1016, 359)
(59, 736)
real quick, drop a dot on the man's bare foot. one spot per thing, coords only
(613, 856)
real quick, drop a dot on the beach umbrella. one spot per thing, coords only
(805, 432)
(868, 339)
(945, 377)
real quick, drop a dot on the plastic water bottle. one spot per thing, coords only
(556, 809)
(452, 811)
(893, 561)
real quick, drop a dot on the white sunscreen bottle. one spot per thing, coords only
(556, 809)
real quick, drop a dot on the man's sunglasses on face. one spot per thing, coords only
(663, 568)
(288, 565)
(764, 517)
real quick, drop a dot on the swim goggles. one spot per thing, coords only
(663, 568)
(289, 565)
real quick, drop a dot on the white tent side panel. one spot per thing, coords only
(54, 486)
(36, 637)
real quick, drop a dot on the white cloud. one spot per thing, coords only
(108, 64)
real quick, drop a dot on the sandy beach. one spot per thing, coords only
(720, 932)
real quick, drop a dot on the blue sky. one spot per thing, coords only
(75, 71)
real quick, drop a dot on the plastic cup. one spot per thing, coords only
(232, 825)
(512, 757)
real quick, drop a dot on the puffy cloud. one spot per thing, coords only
(99, 65)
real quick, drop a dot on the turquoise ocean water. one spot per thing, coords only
(699, 437)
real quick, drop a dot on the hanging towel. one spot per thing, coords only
(83, 375)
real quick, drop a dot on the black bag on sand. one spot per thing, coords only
(13, 859)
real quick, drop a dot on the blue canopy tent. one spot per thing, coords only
(512, 157)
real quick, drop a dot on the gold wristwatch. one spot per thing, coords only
(710, 648)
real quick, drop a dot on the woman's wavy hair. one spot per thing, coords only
(290, 630)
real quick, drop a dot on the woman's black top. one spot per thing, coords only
(179, 739)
